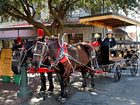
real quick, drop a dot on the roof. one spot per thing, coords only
(18, 26)
(108, 20)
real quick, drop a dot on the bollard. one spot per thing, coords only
(25, 90)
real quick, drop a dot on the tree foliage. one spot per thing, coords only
(25, 10)
(101, 6)
(28, 10)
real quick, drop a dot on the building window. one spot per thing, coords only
(75, 38)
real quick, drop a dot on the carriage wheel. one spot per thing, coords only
(117, 73)
(134, 65)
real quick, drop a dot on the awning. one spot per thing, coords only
(108, 20)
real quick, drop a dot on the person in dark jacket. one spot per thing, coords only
(107, 43)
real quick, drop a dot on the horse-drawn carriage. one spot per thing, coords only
(120, 58)
(68, 58)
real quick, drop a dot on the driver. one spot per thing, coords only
(107, 43)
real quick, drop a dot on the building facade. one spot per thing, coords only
(76, 32)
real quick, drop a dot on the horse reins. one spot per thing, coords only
(63, 54)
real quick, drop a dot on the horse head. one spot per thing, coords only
(45, 51)
(20, 55)
(39, 53)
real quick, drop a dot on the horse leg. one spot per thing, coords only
(63, 84)
(92, 75)
(84, 83)
(63, 94)
(43, 86)
(43, 82)
(92, 72)
(51, 86)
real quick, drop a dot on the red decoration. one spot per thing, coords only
(40, 32)
(95, 44)
(19, 40)
(100, 72)
(40, 70)
(64, 59)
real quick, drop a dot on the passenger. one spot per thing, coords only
(108, 42)
(96, 43)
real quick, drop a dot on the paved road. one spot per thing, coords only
(125, 92)
(106, 92)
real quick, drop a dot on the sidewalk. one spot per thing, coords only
(8, 93)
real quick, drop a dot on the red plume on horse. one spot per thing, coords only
(19, 40)
(40, 32)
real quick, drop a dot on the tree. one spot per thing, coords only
(58, 9)
(28, 9)
(25, 10)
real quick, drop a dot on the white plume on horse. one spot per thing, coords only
(52, 36)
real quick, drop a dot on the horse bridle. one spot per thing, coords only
(46, 44)
(21, 56)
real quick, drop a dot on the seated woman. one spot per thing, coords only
(96, 43)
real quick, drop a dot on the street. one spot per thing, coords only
(106, 92)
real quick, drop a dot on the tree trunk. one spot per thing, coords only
(60, 29)
(54, 28)
(39, 25)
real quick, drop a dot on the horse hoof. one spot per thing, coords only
(49, 92)
(44, 98)
(40, 94)
(82, 89)
(59, 98)
(91, 89)
(63, 100)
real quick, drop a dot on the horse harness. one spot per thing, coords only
(64, 53)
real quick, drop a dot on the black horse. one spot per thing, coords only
(24, 53)
(66, 59)
(21, 53)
